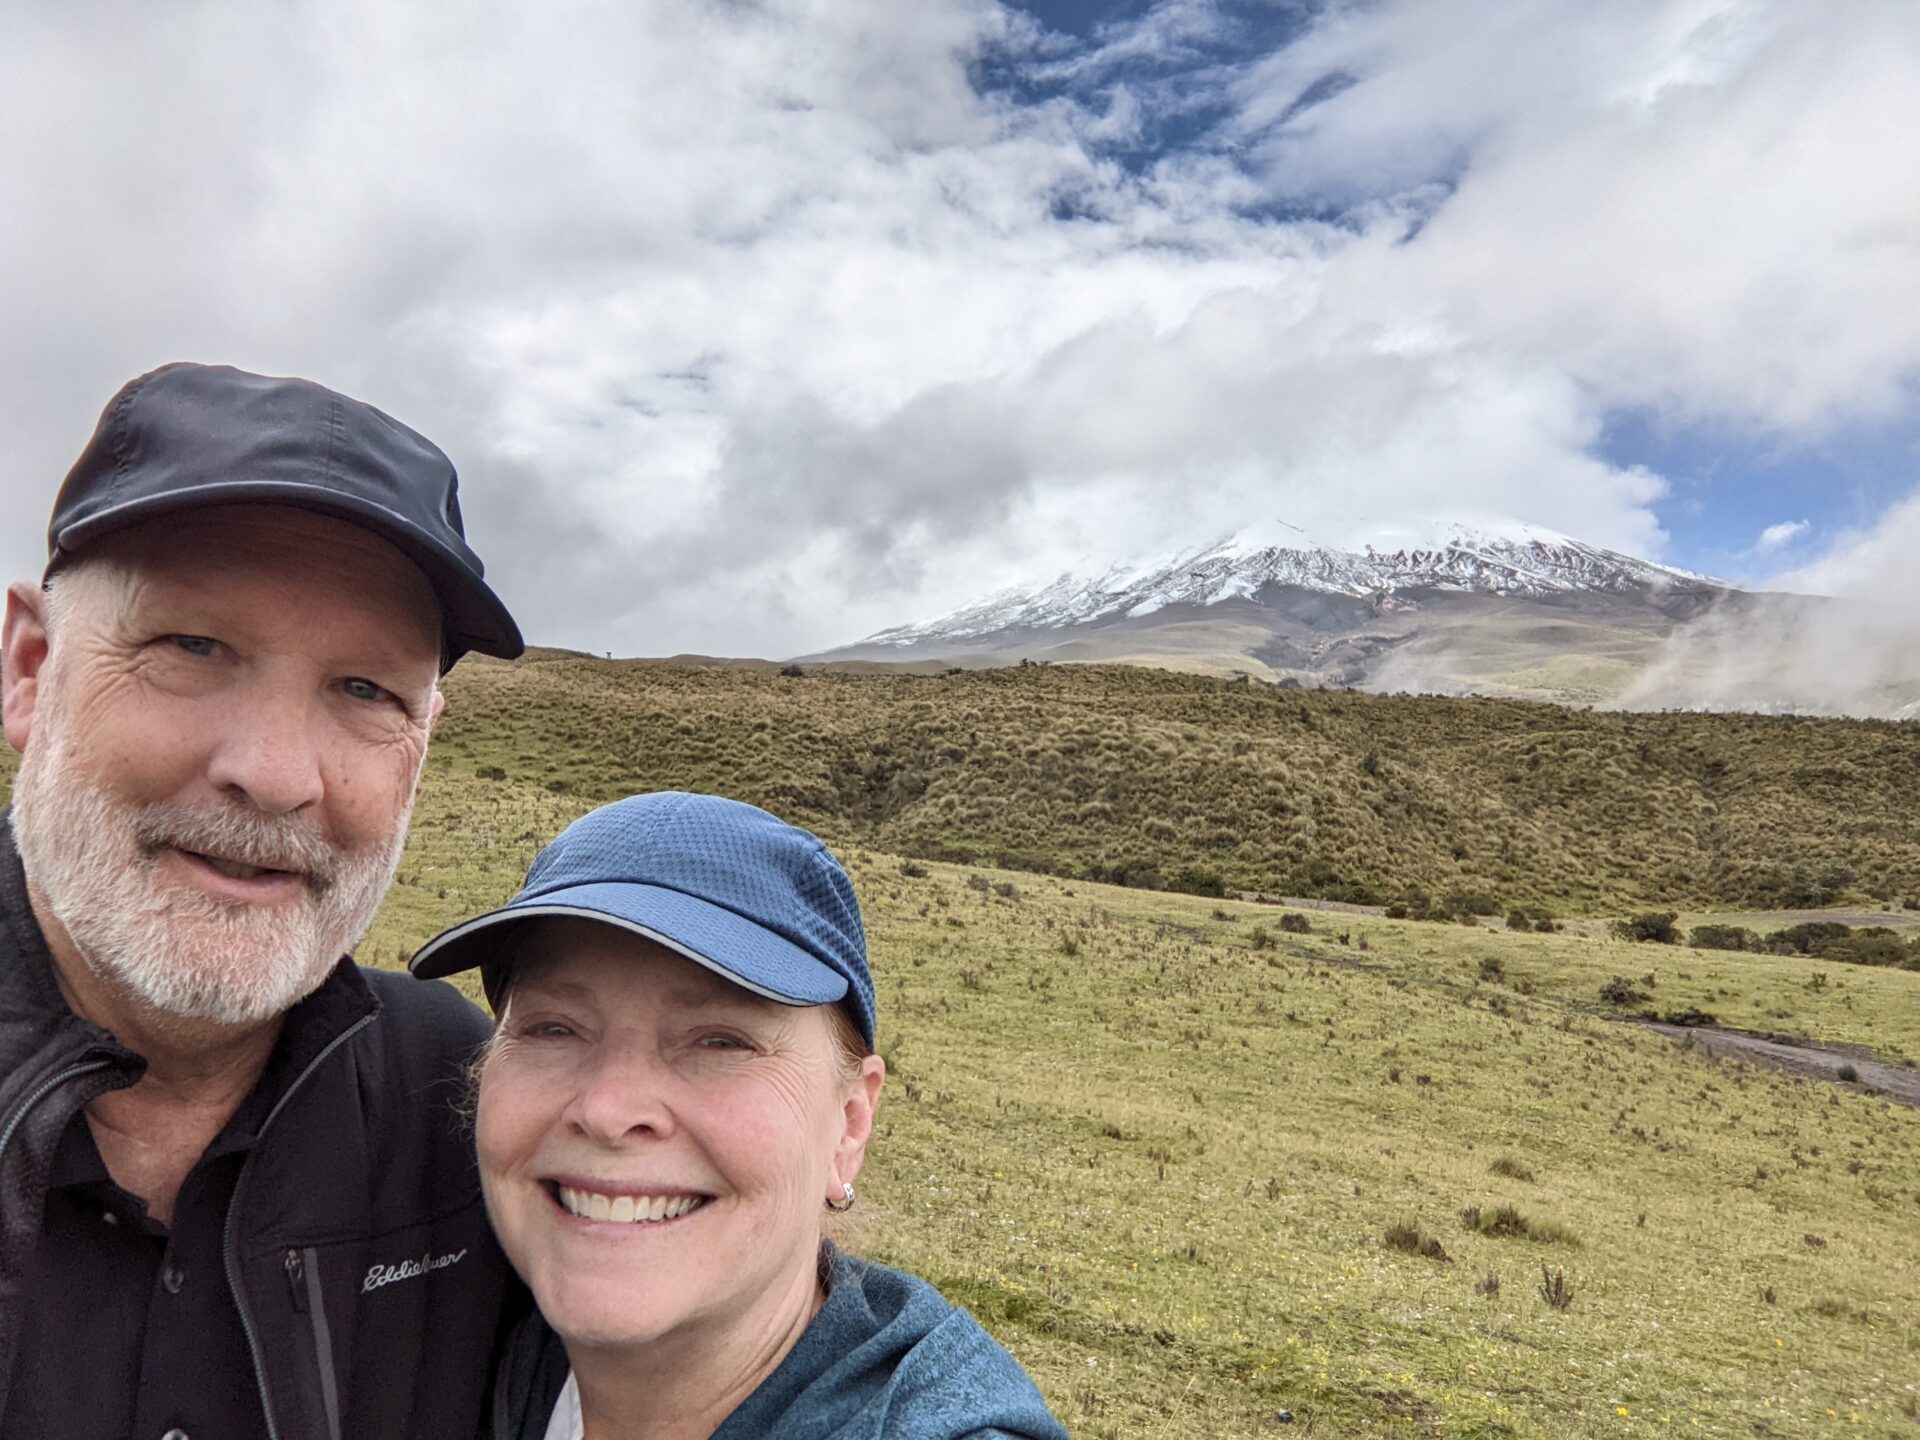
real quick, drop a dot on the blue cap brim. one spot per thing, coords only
(734, 948)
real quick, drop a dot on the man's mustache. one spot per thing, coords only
(243, 837)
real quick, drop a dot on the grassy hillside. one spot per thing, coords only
(1089, 769)
(1160, 1146)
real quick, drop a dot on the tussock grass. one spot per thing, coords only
(1159, 1162)
(1160, 1166)
(1215, 787)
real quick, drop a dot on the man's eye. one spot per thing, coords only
(363, 690)
(193, 644)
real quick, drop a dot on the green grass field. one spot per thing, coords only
(1158, 1145)
(1078, 769)
(1158, 1154)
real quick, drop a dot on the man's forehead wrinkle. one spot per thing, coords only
(196, 557)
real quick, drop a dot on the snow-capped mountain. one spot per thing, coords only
(1452, 606)
(1496, 558)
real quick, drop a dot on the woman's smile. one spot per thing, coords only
(623, 1206)
(656, 1143)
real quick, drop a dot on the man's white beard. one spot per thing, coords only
(181, 951)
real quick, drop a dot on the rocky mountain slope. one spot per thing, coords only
(1498, 608)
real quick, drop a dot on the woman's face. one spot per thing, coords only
(656, 1143)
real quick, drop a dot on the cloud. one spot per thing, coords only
(758, 326)
(1775, 536)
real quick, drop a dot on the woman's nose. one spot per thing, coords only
(623, 1093)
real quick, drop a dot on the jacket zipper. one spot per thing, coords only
(231, 1246)
(46, 1087)
(303, 1277)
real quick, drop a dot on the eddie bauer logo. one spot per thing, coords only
(409, 1269)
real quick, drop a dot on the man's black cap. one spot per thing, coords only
(187, 436)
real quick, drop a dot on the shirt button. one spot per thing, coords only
(173, 1277)
(176, 1434)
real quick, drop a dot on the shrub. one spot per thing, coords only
(1804, 888)
(1511, 1169)
(1805, 938)
(978, 882)
(1849, 1074)
(1692, 1016)
(1469, 902)
(1407, 1235)
(1873, 945)
(1518, 920)
(1502, 1221)
(1196, 880)
(1397, 910)
(1722, 937)
(1006, 890)
(1654, 927)
(1492, 969)
(1294, 923)
(1259, 938)
(1555, 1290)
(1135, 875)
(912, 870)
(792, 672)
(1620, 991)
(1489, 1285)
(491, 772)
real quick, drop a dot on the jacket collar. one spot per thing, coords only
(32, 1010)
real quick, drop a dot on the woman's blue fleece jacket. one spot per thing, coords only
(885, 1359)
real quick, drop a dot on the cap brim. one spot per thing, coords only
(472, 616)
(734, 948)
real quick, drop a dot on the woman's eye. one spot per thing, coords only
(363, 690)
(193, 644)
(721, 1042)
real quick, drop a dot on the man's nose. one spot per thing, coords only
(268, 753)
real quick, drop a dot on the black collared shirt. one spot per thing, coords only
(133, 1330)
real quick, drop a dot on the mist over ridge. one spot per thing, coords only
(1490, 606)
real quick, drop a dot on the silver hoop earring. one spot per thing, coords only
(845, 1202)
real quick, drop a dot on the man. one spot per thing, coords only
(235, 1199)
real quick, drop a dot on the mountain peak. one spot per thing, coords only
(1480, 555)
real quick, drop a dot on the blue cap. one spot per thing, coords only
(757, 901)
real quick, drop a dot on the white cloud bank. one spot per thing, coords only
(758, 326)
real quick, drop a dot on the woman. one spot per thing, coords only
(681, 1082)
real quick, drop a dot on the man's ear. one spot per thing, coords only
(434, 709)
(23, 656)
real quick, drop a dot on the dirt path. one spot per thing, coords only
(1302, 902)
(1800, 1057)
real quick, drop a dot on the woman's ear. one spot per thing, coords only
(863, 1098)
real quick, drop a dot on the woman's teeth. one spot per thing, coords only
(625, 1209)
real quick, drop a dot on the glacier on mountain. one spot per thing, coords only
(1497, 557)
